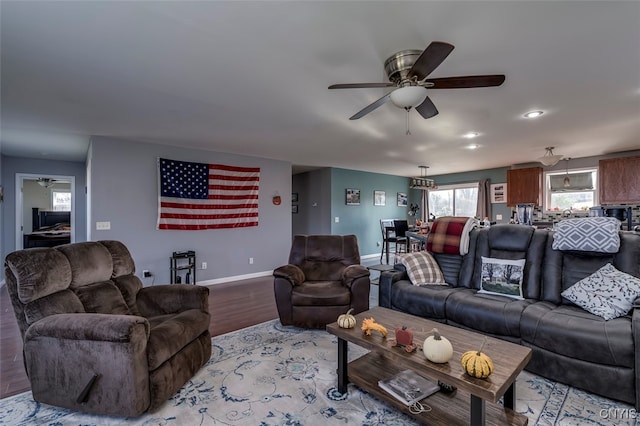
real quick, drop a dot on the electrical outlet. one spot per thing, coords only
(204, 265)
(337, 219)
(498, 217)
(146, 273)
(103, 226)
(251, 261)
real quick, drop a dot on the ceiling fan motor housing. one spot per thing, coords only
(398, 65)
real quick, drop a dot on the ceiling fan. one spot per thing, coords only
(408, 71)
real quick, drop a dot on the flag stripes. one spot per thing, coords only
(195, 196)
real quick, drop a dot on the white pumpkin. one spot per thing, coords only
(437, 348)
(347, 320)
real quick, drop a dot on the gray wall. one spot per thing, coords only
(314, 202)
(13, 165)
(124, 191)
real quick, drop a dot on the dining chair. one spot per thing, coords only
(400, 228)
(388, 236)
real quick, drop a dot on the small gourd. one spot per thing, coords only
(437, 348)
(477, 363)
(347, 320)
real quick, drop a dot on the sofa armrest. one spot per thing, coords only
(93, 327)
(290, 272)
(172, 298)
(352, 273)
(387, 279)
(87, 362)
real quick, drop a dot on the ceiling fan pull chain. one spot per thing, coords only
(408, 129)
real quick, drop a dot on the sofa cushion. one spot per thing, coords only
(599, 234)
(488, 313)
(607, 292)
(427, 301)
(61, 302)
(320, 293)
(90, 262)
(129, 286)
(576, 333)
(102, 298)
(170, 333)
(422, 268)
(38, 272)
(502, 277)
(122, 261)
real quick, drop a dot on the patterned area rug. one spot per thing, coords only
(274, 375)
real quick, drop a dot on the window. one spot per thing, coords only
(454, 200)
(575, 189)
(61, 201)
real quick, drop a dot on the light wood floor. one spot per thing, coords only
(233, 306)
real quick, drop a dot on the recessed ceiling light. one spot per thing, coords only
(533, 114)
(473, 146)
(471, 135)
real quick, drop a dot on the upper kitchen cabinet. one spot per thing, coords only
(524, 186)
(619, 180)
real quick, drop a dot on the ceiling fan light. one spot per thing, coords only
(409, 96)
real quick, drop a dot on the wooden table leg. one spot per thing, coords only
(343, 376)
(510, 396)
(477, 411)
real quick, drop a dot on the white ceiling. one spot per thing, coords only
(252, 77)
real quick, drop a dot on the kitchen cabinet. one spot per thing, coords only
(619, 180)
(524, 186)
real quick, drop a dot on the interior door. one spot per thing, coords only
(45, 202)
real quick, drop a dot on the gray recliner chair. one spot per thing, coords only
(96, 340)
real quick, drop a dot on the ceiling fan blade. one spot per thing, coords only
(429, 60)
(466, 81)
(427, 109)
(360, 85)
(366, 110)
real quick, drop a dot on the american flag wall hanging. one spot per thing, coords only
(196, 196)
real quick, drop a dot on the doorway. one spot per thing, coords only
(45, 210)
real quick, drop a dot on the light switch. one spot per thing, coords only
(337, 219)
(103, 226)
(498, 217)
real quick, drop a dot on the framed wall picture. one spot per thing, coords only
(294, 208)
(499, 193)
(353, 197)
(294, 197)
(402, 199)
(379, 198)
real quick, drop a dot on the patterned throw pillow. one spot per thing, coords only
(608, 293)
(422, 268)
(502, 277)
(598, 234)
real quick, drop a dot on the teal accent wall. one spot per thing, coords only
(364, 220)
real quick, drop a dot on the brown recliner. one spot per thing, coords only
(95, 339)
(323, 280)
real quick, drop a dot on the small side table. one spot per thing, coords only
(183, 261)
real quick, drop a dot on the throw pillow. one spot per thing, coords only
(422, 268)
(502, 277)
(599, 234)
(608, 292)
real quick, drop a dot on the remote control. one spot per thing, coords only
(446, 388)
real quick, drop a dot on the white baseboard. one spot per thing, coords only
(370, 256)
(236, 278)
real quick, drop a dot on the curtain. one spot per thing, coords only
(424, 205)
(483, 208)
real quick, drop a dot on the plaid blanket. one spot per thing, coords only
(450, 234)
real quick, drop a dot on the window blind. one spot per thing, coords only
(579, 182)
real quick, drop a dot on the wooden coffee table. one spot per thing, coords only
(474, 402)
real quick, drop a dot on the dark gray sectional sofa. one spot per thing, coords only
(569, 344)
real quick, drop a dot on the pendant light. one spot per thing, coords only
(549, 159)
(567, 180)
